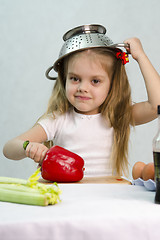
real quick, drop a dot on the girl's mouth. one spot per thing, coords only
(82, 97)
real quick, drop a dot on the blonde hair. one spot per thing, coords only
(116, 108)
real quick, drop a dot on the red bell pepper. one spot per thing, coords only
(61, 165)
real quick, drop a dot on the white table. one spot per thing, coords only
(87, 211)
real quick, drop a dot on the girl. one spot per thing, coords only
(90, 111)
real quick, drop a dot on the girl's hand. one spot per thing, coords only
(136, 49)
(36, 151)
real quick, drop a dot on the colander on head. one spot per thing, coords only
(83, 37)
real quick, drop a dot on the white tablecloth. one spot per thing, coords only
(87, 211)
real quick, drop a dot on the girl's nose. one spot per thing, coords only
(83, 87)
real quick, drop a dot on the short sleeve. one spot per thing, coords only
(49, 126)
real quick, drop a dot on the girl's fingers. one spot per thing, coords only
(40, 154)
(43, 154)
(32, 151)
(36, 152)
(27, 151)
(128, 50)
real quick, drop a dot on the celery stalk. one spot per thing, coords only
(17, 187)
(28, 191)
(13, 180)
(23, 197)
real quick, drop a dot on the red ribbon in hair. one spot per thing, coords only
(123, 56)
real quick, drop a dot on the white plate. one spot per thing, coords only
(149, 184)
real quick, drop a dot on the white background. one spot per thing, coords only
(30, 39)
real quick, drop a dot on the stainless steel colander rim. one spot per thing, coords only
(57, 62)
(84, 29)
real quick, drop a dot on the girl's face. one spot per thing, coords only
(87, 82)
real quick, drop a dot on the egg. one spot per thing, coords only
(148, 172)
(137, 170)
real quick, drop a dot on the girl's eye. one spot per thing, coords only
(95, 81)
(74, 79)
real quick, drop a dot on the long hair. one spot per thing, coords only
(116, 107)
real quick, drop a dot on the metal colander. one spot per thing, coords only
(83, 37)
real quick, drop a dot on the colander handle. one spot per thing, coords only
(47, 74)
(119, 45)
